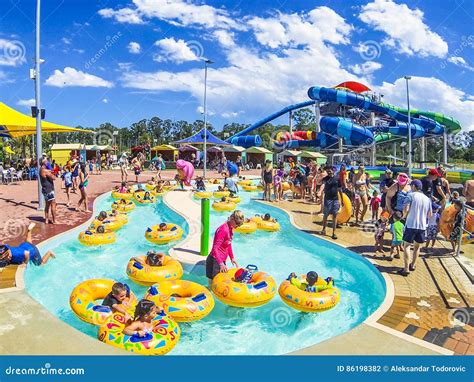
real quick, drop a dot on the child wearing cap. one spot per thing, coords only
(433, 225)
(244, 275)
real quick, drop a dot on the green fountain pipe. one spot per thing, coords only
(205, 213)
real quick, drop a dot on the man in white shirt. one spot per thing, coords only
(417, 211)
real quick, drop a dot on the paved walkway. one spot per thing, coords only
(434, 303)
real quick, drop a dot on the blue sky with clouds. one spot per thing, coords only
(121, 61)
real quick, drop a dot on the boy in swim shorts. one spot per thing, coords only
(114, 300)
(24, 253)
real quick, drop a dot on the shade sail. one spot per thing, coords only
(14, 124)
(198, 138)
(356, 87)
(163, 148)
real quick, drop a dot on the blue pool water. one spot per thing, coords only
(271, 329)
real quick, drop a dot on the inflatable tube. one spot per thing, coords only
(174, 232)
(247, 227)
(250, 188)
(259, 291)
(139, 195)
(235, 199)
(182, 300)
(309, 301)
(203, 194)
(127, 207)
(111, 224)
(185, 171)
(345, 211)
(265, 225)
(448, 215)
(120, 195)
(144, 274)
(95, 238)
(285, 186)
(220, 194)
(224, 206)
(163, 337)
(84, 296)
(244, 182)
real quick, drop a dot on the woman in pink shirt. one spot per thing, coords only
(222, 246)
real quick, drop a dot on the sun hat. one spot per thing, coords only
(402, 178)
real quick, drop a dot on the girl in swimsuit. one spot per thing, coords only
(277, 186)
(83, 182)
(267, 177)
(361, 200)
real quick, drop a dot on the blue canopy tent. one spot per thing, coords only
(198, 139)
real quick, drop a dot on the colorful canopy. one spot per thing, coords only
(356, 87)
(14, 124)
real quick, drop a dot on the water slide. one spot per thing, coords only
(332, 128)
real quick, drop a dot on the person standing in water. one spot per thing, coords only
(47, 189)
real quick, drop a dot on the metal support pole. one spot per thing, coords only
(317, 116)
(206, 63)
(407, 78)
(445, 147)
(395, 152)
(39, 142)
(205, 211)
(423, 151)
(290, 115)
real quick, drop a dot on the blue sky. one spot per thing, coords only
(121, 61)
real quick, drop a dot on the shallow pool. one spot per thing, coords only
(271, 329)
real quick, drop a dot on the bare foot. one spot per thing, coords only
(51, 254)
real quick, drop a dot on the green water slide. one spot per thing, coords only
(382, 137)
(452, 125)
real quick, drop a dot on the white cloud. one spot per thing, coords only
(26, 102)
(105, 100)
(459, 61)
(176, 12)
(66, 40)
(125, 66)
(366, 68)
(80, 51)
(321, 24)
(177, 51)
(406, 30)
(12, 52)
(124, 15)
(432, 94)
(72, 77)
(134, 47)
(225, 38)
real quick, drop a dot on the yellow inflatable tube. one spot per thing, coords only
(259, 291)
(224, 206)
(247, 227)
(129, 206)
(345, 211)
(110, 224)
(244, 182)
(265, 225)
(145, 274)
(84, 296)
(160, 340)
(220, 194)
(250, 187)
(172, 233)
(139, 197)
(448, 216)
(202, 194)
(235, 199)
(95, 238)
(182, 300)
(120, 195)
(309, 301)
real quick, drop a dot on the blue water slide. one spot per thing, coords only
(246, 141)
(362, 102)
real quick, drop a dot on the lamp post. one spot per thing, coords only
(39, 142)
(407, 78)
(206, 63)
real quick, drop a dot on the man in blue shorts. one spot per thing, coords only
(332, 189)
(417, 210)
